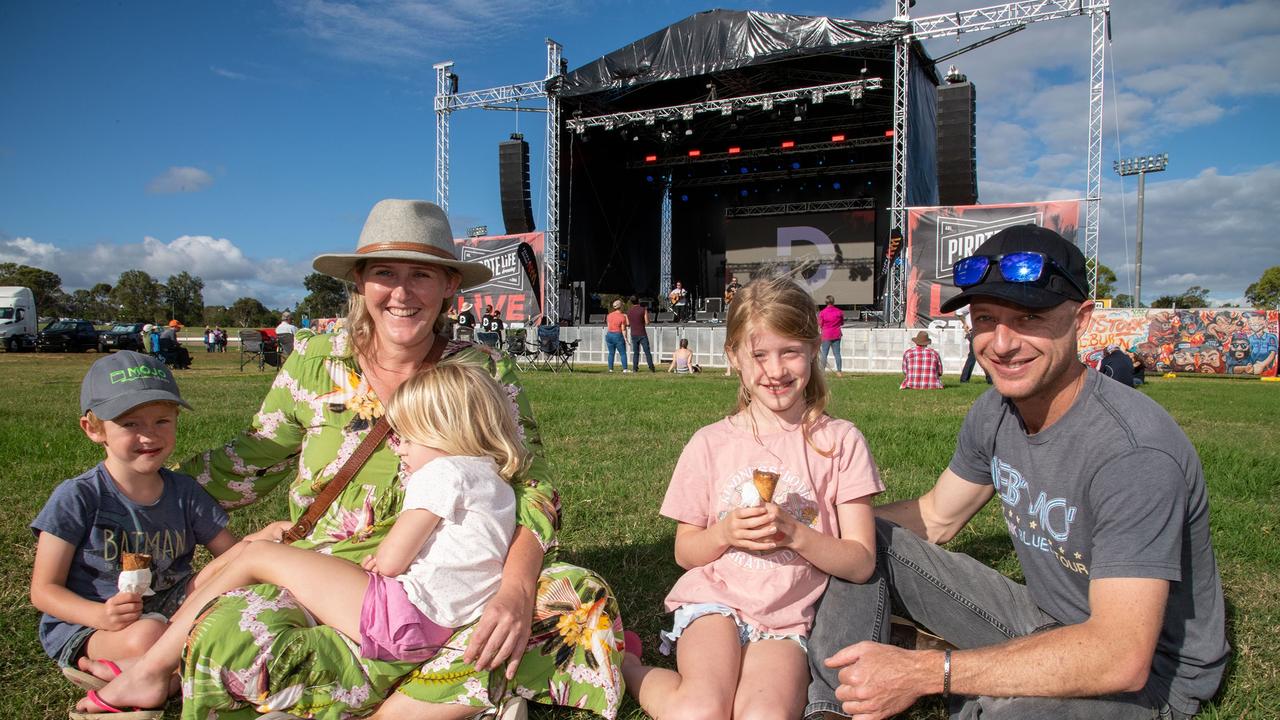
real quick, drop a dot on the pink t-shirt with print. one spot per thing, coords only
(775, 590)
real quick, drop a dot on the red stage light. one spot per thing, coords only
(837, 138)
(695, 153)
(788, 144)
(651, 158)
(888, 133)
(734, 150)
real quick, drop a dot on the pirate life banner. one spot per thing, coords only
(939, 236)
(510, 291)
(1205, 341)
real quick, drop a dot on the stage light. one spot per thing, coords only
(802, 110)
(688, 131)
(734, 150)
(650, 158)
(695, 153)
(835, 185)
(743, 170)
(795, 165)
(788, 144)
(766, 104)
(838, 137)
(743, 192)
(888, 133)
(684, 198)
(648, 178)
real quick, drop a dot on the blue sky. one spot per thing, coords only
(237, 140)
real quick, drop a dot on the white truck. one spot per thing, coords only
(17, 319)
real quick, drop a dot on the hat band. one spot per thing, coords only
(408, 247)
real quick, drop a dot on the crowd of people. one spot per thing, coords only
(417, 575)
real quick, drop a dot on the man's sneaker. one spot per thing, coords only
(625, 371)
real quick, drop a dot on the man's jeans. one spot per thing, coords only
(969, 362)
(637, 341)
(958, 598)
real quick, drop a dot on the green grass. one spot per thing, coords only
(613, 440)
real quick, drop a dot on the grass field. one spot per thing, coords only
(613, 440)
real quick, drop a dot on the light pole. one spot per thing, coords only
(1140, 166)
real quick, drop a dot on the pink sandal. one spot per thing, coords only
(114, 713)
(631, 643)
(89, 681)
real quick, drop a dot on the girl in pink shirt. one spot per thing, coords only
(756, 565)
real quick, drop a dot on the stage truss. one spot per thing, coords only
(1010, 15)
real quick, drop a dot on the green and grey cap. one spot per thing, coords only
(120, 382)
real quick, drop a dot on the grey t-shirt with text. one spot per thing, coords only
(1113, 489)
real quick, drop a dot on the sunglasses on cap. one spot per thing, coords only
(1015, 267)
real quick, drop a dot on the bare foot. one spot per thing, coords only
(133, 688)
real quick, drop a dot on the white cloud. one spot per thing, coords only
(229, 74)
(409, 30)
(227, 272)
(1211, 230)
(180, 180)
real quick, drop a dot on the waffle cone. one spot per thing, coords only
(135, 561)
(766, 483)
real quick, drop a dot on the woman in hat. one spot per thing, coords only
(256, 648)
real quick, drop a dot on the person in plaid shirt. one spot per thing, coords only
(921, 365)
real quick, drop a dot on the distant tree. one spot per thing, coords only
(44, 285)
(137, 297)
(1123, 300)
(184, 297)
(327, 298)
(1106, 280)
(249, 312)
(100, 302)
(217, 315)
(1194, 297)
(1266, 292)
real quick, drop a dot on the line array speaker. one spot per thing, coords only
(957, 144)
(513, 179)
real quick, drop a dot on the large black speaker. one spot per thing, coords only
(513, 178)
(957, 144)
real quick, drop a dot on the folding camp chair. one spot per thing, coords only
(285, 342)
(564, 354)
(492, 339)
(251, 349)
(548, 347)
(520, 351)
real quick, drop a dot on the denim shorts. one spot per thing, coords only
(747, 633)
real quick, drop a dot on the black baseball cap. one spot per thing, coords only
(1050, 290)
(122, 381)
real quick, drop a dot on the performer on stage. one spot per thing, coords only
(730, 290)
(679, 298)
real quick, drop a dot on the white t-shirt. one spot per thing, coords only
(962, 314)
(460, 565)
(285, 328)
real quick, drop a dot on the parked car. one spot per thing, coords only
(67, 336)
(122, 336)
(17, 318)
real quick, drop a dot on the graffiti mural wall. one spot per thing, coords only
(1207, 341)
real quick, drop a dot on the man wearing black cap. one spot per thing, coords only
(1103, 496)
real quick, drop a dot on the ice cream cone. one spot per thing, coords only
(766, 483)
(135, 561)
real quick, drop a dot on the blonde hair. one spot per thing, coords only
(782, 307)
(460, 409)
(359, 322)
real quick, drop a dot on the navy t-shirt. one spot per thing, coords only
(92, 514)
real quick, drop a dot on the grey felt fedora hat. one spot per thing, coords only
(408, 231)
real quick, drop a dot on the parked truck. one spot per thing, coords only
(17, 319)
(68, 335)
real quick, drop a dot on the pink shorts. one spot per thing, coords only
(392, 628)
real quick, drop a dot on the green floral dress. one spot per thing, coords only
(255, 649)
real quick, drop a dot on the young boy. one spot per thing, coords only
(127, 504)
